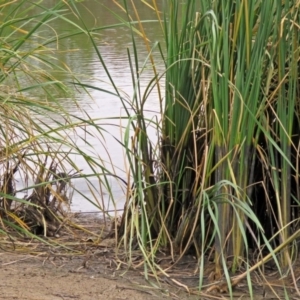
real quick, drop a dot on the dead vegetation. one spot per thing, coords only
(43, 210)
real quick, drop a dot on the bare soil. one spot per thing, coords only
(32, 278)
(82, 266)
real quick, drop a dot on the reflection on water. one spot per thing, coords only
(78, 53)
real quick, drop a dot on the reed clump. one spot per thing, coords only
(33, 129)
(221, 181)
(45, 204)
(223, 175)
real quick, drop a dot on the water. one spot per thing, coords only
(80, 56)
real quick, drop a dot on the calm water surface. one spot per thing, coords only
(79, 54)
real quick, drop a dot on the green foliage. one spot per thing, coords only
(227, 156)
(223, 174)
(34, 131)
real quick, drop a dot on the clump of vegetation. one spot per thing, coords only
(43, 210)
(222, 178)
(31, 148)
(223, 175)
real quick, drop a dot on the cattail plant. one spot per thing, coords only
(223, 175)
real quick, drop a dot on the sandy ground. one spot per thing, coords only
(32, 278)
(50, 277)
(37, 277)
(80, 268)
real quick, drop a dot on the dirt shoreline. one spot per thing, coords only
(35, 271)
(83, 266)
(36, 278)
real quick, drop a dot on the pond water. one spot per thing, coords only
(79, 54)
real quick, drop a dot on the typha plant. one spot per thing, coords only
(222, 176)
